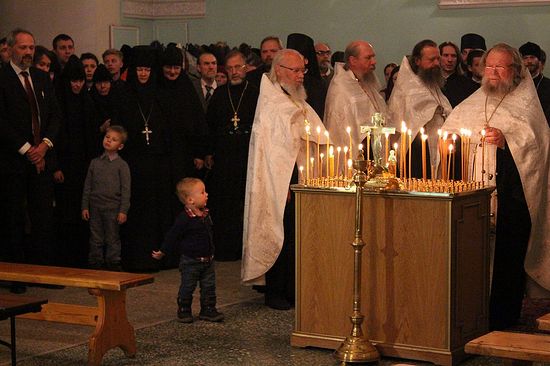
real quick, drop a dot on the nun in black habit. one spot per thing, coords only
(148, 154)
(75, 147)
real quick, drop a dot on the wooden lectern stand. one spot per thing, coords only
(425, 271)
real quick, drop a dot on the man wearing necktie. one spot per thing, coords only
(207, 66)
(29, 121)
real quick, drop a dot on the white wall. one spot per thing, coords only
(86, 21)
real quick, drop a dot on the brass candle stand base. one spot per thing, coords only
(355, 350)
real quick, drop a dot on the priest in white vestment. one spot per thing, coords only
(417, 100)
(517, 161)
(277, 144)
(353, 96)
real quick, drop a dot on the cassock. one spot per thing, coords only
(276, 145)
(457, 88)
(148, 154)
(348, 104)
(542, 84)
(520, 172)
(76, 146)
(229, 146)
(419, 106)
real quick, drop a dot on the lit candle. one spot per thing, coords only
(368, 145)
(331, 162)
(302, 173)
(397, 161)
(348, 130)
(311, 161)
(454, 137)
(328, 148)
(361, 152)
(403, 149)
(449, 165)
(350, 165)
(307, 154)
(409, 132)
(483, 156)
(321, 157)
(387, 134)
(338, 149)
(424, 138)
(345, 156)
(318, 151)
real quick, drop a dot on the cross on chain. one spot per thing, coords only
(235, 121)
(146, 132)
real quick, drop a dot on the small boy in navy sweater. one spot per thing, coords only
(191, 237)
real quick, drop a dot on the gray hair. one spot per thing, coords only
(10, 39)
(517, 62)
(279, 56)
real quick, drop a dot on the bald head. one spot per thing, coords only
(360, 58)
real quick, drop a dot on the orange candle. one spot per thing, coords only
(424, 173)
(307, 154)
(328, 148)
(338, 149)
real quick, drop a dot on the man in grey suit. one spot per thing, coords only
(205, 86)
(29, 121)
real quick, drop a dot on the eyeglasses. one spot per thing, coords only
(323, 53)
(235, 68)
(295, 70)
(497, 68)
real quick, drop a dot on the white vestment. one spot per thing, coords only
(277, 143)
(521, 120)
(419, 106)
(347, 104)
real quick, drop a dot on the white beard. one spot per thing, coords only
(298, 93)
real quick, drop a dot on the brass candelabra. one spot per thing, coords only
(356, 347)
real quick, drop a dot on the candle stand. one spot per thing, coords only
(356, 347)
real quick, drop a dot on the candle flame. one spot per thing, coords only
(312, 160)
(439, 132)
(301, 168)
(322, 155)
(307, 129)
(424, 137)
(421, 131)
(483, 132)
(318, 130)
(331, 150)
(395, 146)
(348, 129)
(454, 137)
(350, 163)
(409, 132)
(345, 149)
(360, 146)
(326, 133)
(445, 135)
(387, 135)
(338, 149)
(450, 147)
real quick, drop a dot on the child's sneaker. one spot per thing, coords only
(185, 315)
(211, 314)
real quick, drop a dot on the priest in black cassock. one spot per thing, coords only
(148, 154)
(230, 116)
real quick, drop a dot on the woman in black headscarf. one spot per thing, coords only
(75, 147)
(148, 154)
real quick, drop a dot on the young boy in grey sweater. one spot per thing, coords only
(106, 200)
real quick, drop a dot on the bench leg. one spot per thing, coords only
(112, 329)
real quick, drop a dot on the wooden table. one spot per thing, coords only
(10, 307)
(109, 317)
(425, 271)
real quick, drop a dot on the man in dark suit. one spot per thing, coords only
(207, 66)
(29, 121)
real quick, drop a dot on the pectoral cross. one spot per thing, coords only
(146, 132)
(235, 121)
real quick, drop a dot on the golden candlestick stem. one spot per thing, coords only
(307, 155)
(368, 146)
(409, 133)
(328, 152)
(424, 172)
(483, 157)
(356, 347)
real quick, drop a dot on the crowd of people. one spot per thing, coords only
(107, 143)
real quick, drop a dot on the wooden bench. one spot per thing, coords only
(12, 306)
(112, 328)
(512, 346)
(543, 323)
